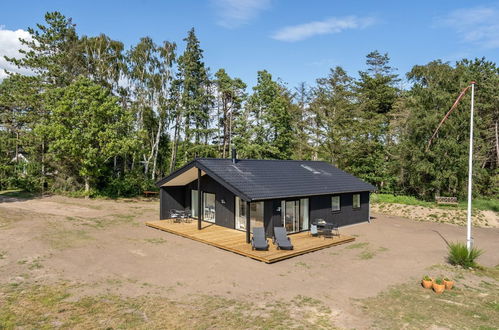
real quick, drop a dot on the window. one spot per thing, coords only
(194, 203)
(335, 203)
(356, 201)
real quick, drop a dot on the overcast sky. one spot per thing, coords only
(294, 40)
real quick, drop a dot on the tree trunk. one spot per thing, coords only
(173, 159)
(497, 145)
(224, 121)
(87, 186)
(156, 148)
(43, 166)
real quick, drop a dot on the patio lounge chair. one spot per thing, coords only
(281, 239)
(258, 241)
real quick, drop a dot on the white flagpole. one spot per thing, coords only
(469, 242)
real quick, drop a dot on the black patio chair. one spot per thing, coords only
(281, 239)
(175, 215)
(327, 232)
(259, 241)
(335, 229)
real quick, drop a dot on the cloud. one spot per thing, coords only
(9, 46)
(328, 26)
(235, 13)
(478, 25)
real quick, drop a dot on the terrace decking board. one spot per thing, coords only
(235, 240)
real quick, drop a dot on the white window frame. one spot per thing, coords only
(333, 209)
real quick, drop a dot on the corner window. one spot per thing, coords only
(335, 203)
(356, 201)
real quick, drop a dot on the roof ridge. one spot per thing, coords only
(274, 160)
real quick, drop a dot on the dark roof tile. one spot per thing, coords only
(266, 179)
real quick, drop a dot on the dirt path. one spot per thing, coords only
(105, 246)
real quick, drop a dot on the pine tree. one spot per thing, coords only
(230, 96)
(273, 122)
(195, 97)
(376, 93)
(335, 118)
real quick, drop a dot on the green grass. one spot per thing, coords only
(30, 306)
(17, 193)
(61, 238)
(484, 204)
(104, 222)
(367, 254)
(470, 304)
(359, 245)
(155, 240)
(478, 203)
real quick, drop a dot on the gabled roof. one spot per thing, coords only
(254, 179)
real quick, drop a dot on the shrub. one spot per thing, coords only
(426, 278)
(459, 255)
(439, 281)
(129, 185)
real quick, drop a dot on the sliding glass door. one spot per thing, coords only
(256, 214)
(208, 207)
(295, 215)
(240, 214)
(194, 203)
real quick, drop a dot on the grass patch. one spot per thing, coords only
(409, 306)
(40, 307)
(478, 203)
(104, 222)
(359, 245)
(10, 216)
(17, 193)
(459, 255)
(303, 265)
(155, 240)
(407, 200)
(61, 238)
(367, 254)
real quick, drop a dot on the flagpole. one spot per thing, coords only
(469, 242)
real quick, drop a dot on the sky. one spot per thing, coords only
(296, 41)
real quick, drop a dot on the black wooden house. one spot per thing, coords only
(245, 193)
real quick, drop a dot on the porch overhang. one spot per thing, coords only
(189, 173)
(184, 178)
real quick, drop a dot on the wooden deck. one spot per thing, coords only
(235, 240)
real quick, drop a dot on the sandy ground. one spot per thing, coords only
(451, 215)
(105, 245)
